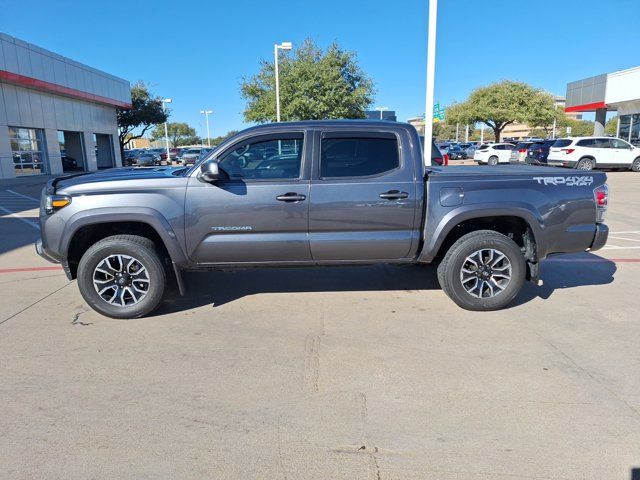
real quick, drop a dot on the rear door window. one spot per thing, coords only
(563, 142)
(344, 157)
(587, 142)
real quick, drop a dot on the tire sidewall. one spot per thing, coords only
(635, 165)
(518, 271)
(149, 260)
(493, 161)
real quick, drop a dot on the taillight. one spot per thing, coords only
(601, 196)
(568, 150)
(445, 160)
(522, 150)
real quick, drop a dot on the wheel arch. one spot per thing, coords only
(516, 221)
(87, 227)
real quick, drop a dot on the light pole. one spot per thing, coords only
(381, 110)
(276, 47)
(431, 71)
(206, 113)
(166, 130)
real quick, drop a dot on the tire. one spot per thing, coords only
(132, 300)
(635, 166)
(452, 277)
(493, 160)
(585, 164)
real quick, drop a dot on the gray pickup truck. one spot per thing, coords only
(316, 193)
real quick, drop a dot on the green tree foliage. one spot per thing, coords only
(218, 140)
(179, 134)
(444, 131)
(145, 112)
(500, 104)
(611, 127)
(314, 84)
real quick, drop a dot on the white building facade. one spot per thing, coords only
(56, 115)
(618, 91)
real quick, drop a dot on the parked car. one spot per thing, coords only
(519, 153)
(469, 148)
(537, 152)
(190, 156)
(69, 163)
(493, 154)
(147, 160)
(360, 197)
(437, 157)
(587, 153)
(456, 152)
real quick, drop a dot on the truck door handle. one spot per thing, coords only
(291, 197)
(394, 195)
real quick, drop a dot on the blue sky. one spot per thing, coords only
(197, 52)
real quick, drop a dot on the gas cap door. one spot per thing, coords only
(451, 196)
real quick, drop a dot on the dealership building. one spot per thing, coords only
(617, 91)
(56, 115)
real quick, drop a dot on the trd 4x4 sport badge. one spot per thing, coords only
(573, 181)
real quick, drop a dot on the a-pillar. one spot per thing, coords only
(601, 119)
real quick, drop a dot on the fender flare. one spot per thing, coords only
(147, 215)
(434, 238)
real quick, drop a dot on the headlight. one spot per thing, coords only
(54, 203)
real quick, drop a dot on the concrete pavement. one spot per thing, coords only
(354, 373)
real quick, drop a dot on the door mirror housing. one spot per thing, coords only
(209, 171)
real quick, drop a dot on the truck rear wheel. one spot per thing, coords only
(483, 270)
(122, 276)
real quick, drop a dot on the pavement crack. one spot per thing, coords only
(311, 373)
(588, 373)
(76, 319)
(34, 303)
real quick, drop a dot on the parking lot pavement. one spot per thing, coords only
(354, 373)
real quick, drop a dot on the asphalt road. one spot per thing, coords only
(349, 373)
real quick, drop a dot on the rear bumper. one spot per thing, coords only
(561, 163)
(600, 238)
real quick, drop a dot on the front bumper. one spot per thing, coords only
(600, 238)
(40, 251)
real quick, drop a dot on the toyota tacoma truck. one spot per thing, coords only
(316, 193)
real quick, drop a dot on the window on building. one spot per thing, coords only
(625, 126)
(635, 130)
(28, 150)
(358, 157)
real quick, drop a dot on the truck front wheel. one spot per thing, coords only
(483, 270)
(122, 276)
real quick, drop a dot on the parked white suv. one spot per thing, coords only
(587, 153)
(493, 154)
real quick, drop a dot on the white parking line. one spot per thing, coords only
(25, 220)
(24, 196)
(622, 233)
(627, 239)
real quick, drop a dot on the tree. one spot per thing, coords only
(500, 104)
(611, 127)
(145, 112)
(444, 131)
(314, 84)
(179, 134)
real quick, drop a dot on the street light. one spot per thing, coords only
(381, 110)
(276, 47)
(166, 130)
(206, 113)
(431, 70)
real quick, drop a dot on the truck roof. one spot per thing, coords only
(329, 123)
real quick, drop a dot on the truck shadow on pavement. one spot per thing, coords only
(220, 287)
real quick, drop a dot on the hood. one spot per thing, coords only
(112, 174)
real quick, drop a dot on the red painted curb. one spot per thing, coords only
(29, 269)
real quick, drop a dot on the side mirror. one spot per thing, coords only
(209, 171)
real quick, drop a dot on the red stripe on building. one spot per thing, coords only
(587, 107)
(29, 82)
